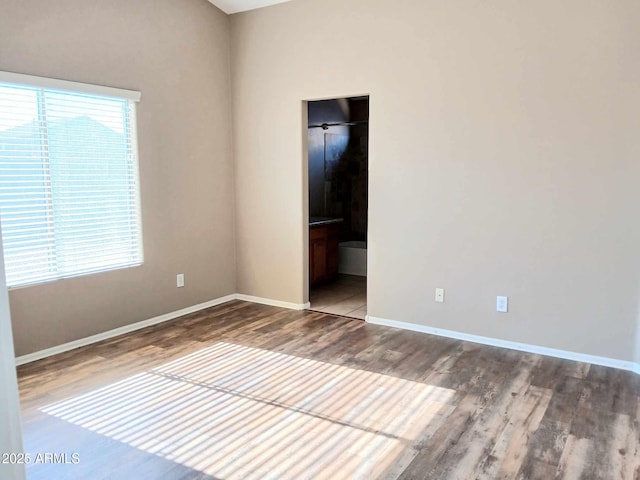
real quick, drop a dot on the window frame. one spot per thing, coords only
(132, 97)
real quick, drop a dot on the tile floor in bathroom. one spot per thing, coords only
(346, 296)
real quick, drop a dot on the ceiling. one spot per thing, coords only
(235, 6)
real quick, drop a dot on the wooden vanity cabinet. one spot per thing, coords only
(323, 253)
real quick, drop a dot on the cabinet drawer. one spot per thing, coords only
(316, 233)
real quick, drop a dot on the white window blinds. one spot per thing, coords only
(69, 200)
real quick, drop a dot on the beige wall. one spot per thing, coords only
(177, 55)
(504, 146)
(503, 157)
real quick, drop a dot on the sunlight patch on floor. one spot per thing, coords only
(236, 412)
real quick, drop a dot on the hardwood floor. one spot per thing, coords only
(243, 391)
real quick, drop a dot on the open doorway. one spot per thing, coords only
(338, 147)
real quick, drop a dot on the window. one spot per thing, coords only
(69, 200)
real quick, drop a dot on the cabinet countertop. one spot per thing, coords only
(317, 221)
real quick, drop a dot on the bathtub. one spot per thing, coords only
(353, 258)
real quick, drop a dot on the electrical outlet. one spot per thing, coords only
(502, 304)
(439, 295)
(180, 280)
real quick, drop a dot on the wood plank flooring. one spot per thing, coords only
(243, 391)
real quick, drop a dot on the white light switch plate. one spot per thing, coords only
(502, 304)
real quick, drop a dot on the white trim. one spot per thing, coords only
(56, 84)
(522, 347)
(82, 342)
(273, 303)
(65, 347)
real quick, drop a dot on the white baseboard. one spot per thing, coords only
(273, 303)
(522, 347)
(65, 347)
(495, 342)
